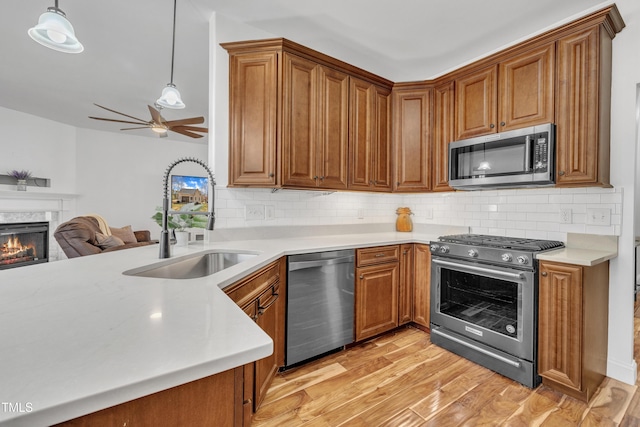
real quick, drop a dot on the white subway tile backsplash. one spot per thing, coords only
(518, 213)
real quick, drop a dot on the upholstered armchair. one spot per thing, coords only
(89, 235)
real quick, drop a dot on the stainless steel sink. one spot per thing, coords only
(191, 267)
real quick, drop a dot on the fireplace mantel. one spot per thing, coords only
(31, 206)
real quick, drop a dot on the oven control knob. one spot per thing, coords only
(523, 259)
(473, 253)
(444, 249)
(434, 247)
(507, 257)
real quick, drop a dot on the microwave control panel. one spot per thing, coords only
(541, 153)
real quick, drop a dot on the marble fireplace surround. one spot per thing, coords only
(25, 206)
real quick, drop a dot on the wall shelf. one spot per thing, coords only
(31, 182)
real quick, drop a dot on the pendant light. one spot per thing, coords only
(170, 97)
(56, 32)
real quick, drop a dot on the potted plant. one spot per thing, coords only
(180, 222)
(21, 176)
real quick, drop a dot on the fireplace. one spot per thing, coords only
(23, 244)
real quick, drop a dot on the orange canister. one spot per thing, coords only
(403, 222)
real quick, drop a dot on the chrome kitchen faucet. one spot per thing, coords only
(164, 235)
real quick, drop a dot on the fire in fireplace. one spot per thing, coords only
(23, 244)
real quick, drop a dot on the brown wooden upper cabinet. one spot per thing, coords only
(514, 93)
(412, 137)
(290, 113)
(443, 134)
(584, 93)
(315, 125)
(252, 118)
(370, 137)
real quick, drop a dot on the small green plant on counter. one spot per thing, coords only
(182, 221)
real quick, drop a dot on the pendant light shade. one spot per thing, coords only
(170, 97)
(56, 32)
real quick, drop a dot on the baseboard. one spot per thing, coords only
(625, 372)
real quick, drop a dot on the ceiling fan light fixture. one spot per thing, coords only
(56, 32)
(170, 98)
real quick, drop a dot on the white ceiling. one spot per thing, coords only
(127, 57)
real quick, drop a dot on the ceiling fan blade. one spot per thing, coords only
(118, 121)
(141, 127)
(155, 115)
(186, 133)
(118, 112)
(189, 121)
(191, 128)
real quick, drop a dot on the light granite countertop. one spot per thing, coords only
(78, 335)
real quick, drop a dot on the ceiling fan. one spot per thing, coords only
(158, 124)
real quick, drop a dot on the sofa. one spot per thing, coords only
(86, 235)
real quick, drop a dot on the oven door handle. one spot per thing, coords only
(476, 348)
(477, 269)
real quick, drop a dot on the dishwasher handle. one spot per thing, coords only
(301, 265)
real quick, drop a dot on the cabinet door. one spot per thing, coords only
(376, 300)
(476, 103)
(526, 89)
(443, 134)
(405, 291)
(382, 140)
(265, 369)
(560, 324)
(253, 106)
(577, 137)
(369, 137)
(412, 118)
(299, 122)
(333, 127)
(361, 130)
(422, 285)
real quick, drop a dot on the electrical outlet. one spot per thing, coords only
(254, 212)
(428, 213)
(565, 216)
(599, 216)
(360, 213)
(270, 212)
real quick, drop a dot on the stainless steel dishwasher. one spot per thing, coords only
(320, 303)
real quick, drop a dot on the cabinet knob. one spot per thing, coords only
(271, 175)
(362, 276)
(322, 178)
(560, 173)
(543, 274)
(315, 177)
(492, 125)
(502, 124)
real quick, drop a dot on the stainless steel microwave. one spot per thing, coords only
(518, 158)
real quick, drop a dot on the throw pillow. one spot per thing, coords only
(124, 233)
(106, 242)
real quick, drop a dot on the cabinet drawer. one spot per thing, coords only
(377, 255)
(250, 288)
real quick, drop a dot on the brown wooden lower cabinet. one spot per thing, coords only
(212, 401)
(422, 285)
(573, 327)
(376, 290)
(262, 296)
(405, 287)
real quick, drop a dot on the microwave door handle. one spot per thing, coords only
(527, 153)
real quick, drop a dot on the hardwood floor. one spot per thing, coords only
(401, 379)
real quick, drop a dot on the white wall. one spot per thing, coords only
(119, 175)
(626, 75)
(482, 212)
(45, 147)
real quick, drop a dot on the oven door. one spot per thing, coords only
(488, 304)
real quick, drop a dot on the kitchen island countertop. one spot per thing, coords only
(78, 335)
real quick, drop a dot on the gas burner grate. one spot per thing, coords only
(502, 242)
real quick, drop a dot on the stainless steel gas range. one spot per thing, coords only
(484, 301)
